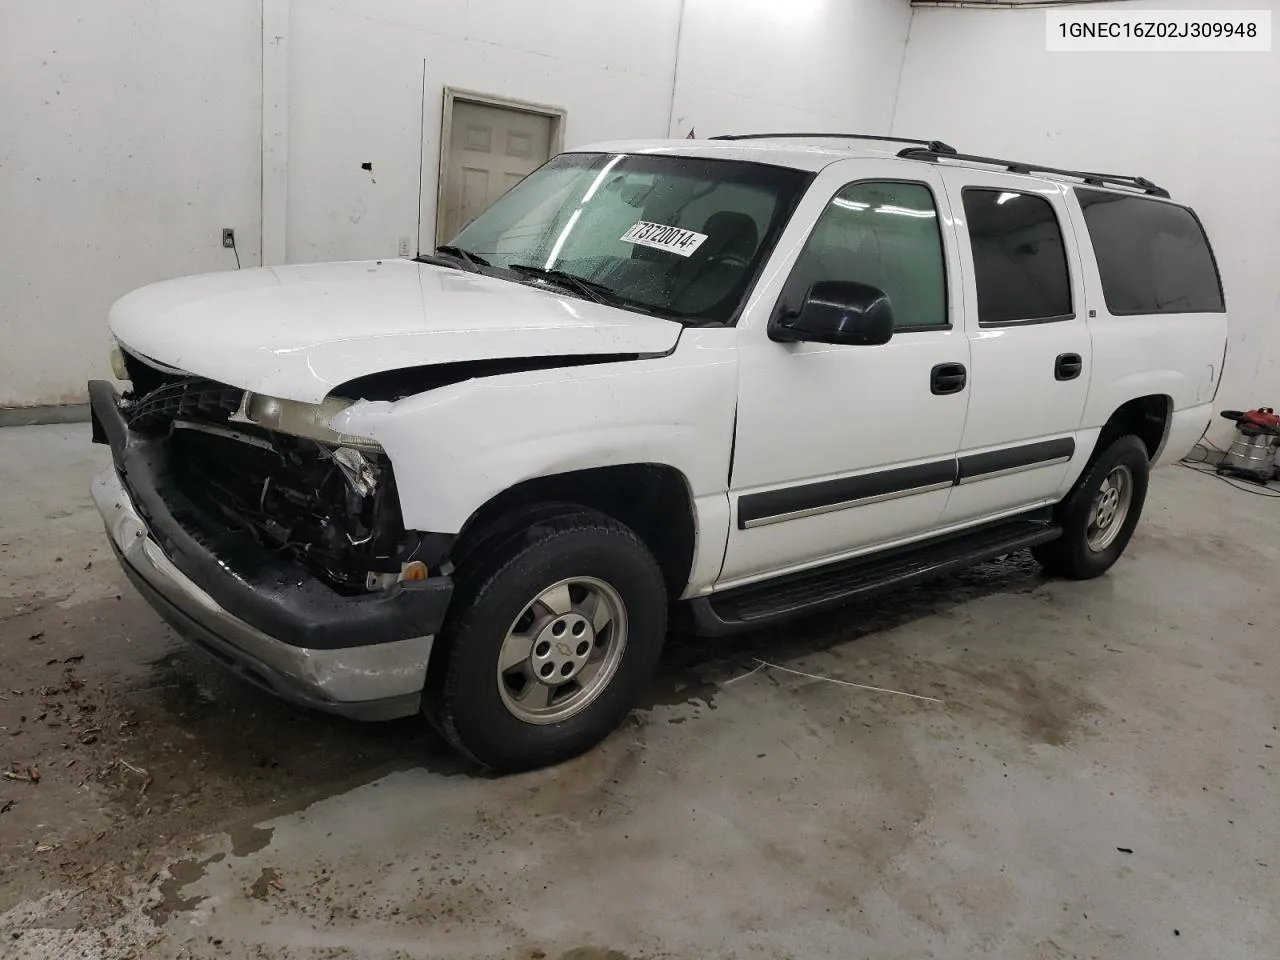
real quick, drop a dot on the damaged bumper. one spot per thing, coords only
(260, 615)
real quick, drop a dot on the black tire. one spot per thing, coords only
(1071, 555)
(463, 698)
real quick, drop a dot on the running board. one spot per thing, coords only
(797, 594)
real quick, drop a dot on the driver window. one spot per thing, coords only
(884, 234)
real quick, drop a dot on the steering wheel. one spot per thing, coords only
(730, 265)
(726, 259)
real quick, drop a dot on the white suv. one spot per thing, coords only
(757, 376)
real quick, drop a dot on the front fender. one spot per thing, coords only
(457, 447)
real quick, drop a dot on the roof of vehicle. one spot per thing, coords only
(807, 154)
(813, 152)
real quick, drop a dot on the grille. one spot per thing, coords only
(290, 497)
(191, 398)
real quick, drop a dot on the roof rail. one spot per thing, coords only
(932, 146)
(1014, 166)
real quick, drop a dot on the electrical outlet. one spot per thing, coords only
(404, 247)
(228, 238)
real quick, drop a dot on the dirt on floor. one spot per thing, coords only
(1076, 769)
(117, 739)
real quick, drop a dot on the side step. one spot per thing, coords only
(797, 594)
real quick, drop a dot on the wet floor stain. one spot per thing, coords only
(150, 741)
(694, 668)
(249, 839)
(268, 880)
(182, 873)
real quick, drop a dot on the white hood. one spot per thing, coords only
(297, 332)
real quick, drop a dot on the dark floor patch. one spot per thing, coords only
(693, 668)
(594, 953)
(147, 740)
(218, 753)
(181, 873)
(1022, 695)
(249, 839)
(267, 880)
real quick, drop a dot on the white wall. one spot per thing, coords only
(356, 87)
(1205, 126)
(356, 96)
(761, 66)
(129, 133)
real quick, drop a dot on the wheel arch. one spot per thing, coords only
(1148, 418)
(652, 499)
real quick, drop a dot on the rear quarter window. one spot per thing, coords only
(1153, 256)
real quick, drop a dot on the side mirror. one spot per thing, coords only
(838, 311)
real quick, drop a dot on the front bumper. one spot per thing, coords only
(272, 623)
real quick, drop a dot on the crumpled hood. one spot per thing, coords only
(299, 331)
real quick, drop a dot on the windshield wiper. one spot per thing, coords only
(588, 288)
(471, 261)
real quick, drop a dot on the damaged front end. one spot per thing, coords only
(273, 471)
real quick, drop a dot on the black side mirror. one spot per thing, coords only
(838, 311)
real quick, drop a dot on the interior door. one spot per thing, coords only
(491, 149)
(1030, 345)
(840, 449)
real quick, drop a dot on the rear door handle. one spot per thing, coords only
(948, 378)
(1068, 366)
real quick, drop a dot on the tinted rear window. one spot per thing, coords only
(1019, 264)
(1153, 257)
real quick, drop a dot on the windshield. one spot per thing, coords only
(676, 236)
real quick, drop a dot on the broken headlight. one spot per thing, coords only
(118, 367)
(307, 420)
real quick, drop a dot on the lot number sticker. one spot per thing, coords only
(672, 239)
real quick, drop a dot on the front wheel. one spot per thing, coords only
(1099, 515)
(556, 638)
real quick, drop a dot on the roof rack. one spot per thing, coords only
(1014, 166)
(932, 146)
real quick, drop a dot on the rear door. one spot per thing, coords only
(1030, 347)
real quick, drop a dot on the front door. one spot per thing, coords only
(1029, 343)
(491, 149)
(840, 449)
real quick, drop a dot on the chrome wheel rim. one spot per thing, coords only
(1110, 509)
(562, 651)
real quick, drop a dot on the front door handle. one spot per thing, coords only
(948, 378)
(1068, 366)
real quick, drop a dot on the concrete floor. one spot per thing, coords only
(1099, 779)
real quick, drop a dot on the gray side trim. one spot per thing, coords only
(844, 504)
(1007, 471)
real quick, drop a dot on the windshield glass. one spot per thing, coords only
(677, 236)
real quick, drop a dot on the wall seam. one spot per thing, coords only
(675, 70)
(902, 68)
(273, 197)
(422, 151)
(262, 133)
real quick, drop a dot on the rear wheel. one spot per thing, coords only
(1100, 514)
(557, 633)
